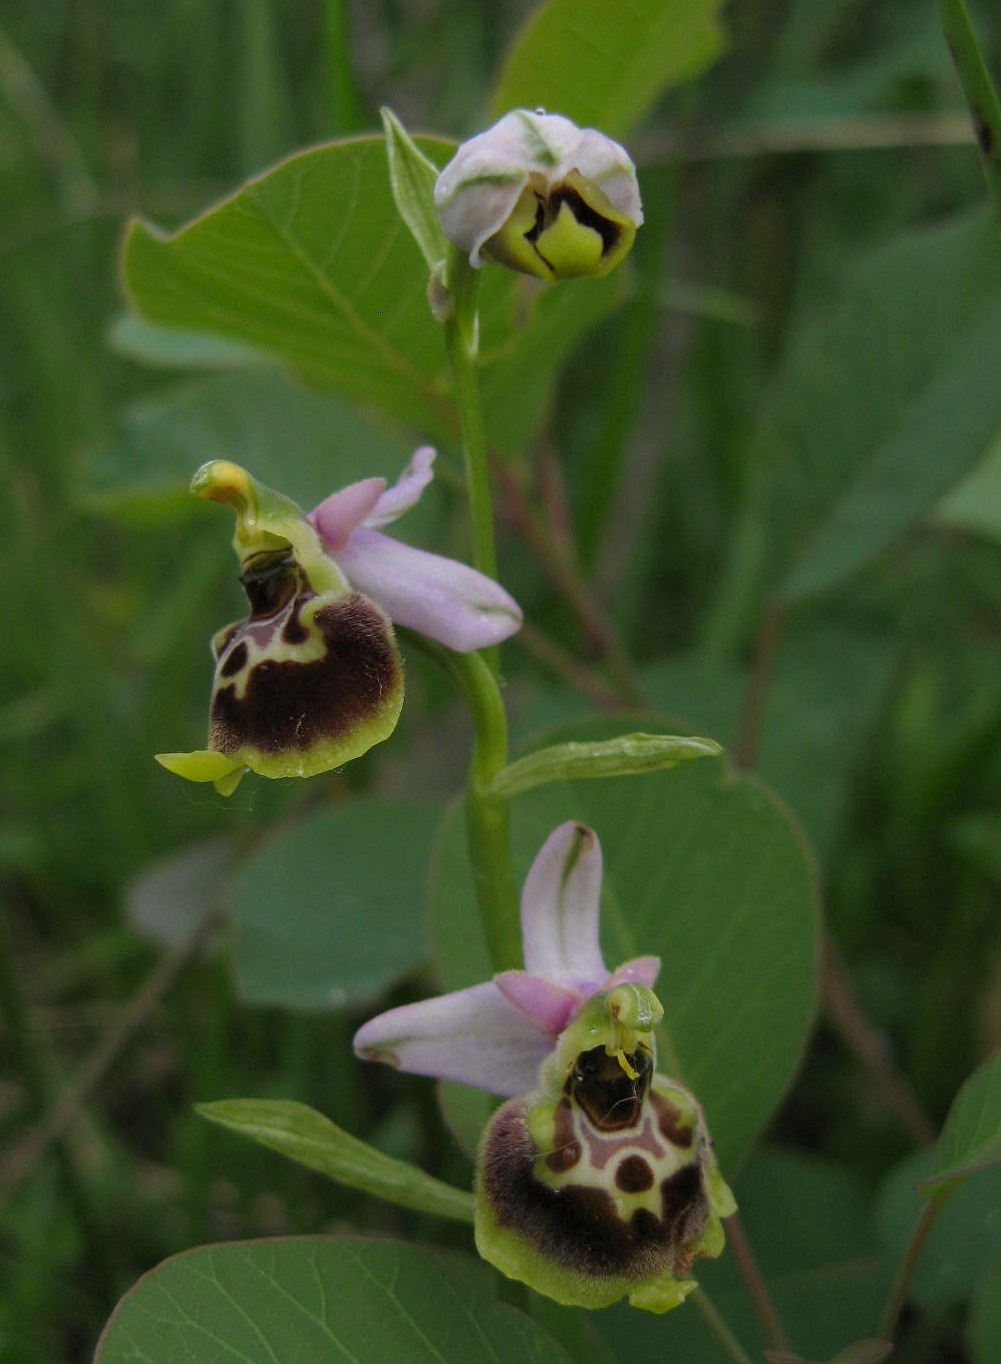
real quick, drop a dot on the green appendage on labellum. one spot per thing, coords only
(312, 678)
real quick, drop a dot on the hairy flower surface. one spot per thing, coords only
(313, 678)
(542, 196)
(597, 1179)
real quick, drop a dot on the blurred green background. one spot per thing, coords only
(827, 130)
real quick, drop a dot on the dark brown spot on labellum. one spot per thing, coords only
(293, 631)
(633, 1175)
(577, 1226)
(669, 1121)
(235, 661)
(685, 1207)
(290, 706)
(566, 1148)
(225, 638)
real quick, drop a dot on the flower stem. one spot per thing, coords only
(981, 97)
(461, 344)
(487, 822)
(719, 1328)
(912, 1256)
(755, 1284)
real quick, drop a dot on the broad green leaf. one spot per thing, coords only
(169, 348)
(331, 912)
(704, 869)
(985, 1317)
(299, 1132)
(964, 1240)
(971, 1137)
(883, 404)
(305, 443)
(171, 895)
(312, 264)
(604, 66)
(325, 1300)
(938, 437)
(808, 1221)
(624, 755)
(829, 680)
(975, 505)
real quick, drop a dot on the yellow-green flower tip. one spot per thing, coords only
(205, 765)
(220, 480)
(661, 1295)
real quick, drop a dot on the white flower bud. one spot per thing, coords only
(540, 195)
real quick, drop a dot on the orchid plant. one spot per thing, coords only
(603, 1176)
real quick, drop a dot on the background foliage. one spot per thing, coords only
(777, 441)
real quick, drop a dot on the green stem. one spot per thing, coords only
(908, 1266)
(719, 1328)
(487, 822)
(461, 344)
(978, 89)
(346, 110)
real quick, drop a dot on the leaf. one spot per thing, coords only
(829, 681)
(971, 1137)
(312, 264)
(604, 67)
(704, 869)
(412, 178)
(305, 443)
(322, 1300)
(965, 1237)
(985, 1318)
(624, 755)
(171, 895)
(975, 505)
(330, 913)
(882, 404)
(299, 1132)
(169, 348)
(939, 436)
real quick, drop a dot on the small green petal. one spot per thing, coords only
(514, 244)
(571, 248)
(661, 1295)
(203, 764)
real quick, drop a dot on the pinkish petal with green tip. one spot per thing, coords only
(441, 598)
(559, 910)
(474, 1036)
(338, 516)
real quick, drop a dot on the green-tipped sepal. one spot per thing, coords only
(601, 1184)
(312, 678)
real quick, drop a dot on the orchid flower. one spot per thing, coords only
(542, 196)
(596, 1180)
(313, 677)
